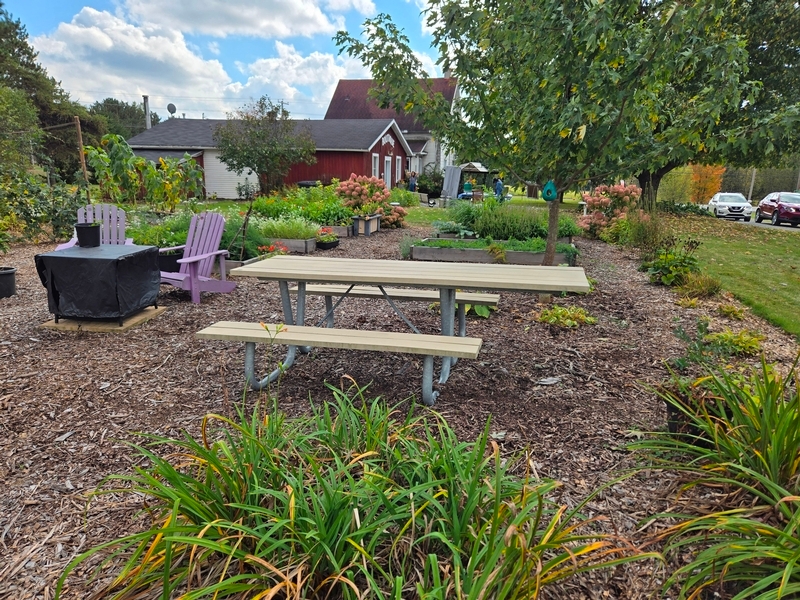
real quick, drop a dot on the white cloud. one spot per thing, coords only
(220, 18)
(98, 55)
(213, 47)
(306, 83)
(365, 7)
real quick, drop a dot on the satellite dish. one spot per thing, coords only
(171, 108)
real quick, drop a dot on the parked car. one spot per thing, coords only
(779, 207)
(730, 206)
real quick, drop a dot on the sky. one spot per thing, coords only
(208, 57)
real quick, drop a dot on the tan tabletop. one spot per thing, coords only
(519, 278)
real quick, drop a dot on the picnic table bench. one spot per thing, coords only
(353, 339)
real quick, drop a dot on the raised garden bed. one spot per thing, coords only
(366, 225)
(484, 255)
(301, 246)
(342, 230)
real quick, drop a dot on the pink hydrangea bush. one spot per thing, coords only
(368, 195)
(606, 205)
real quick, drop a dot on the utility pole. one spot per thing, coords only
(83, 158)
(752, 183)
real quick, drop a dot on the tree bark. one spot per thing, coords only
(650, 181)
(552, 232)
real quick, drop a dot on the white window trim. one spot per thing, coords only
(376, 165)
(398, 167)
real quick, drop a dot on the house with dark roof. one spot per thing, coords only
(344, 146)
(351, 100)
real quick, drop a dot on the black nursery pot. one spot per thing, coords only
(327, 245)
(88, 234)
(8, 281)
(168, 262)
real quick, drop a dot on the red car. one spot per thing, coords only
(779, 207)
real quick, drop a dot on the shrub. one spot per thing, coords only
(566, 316)
(464, 213)
(699, 285)
(356, 500)
(682, 208)
(430, 181)
(32, 210)
(275, 207)
(605, 205)
(506, 222)
(149, 229)
(673, 262)
(404, 197)
(367, 196)
(706, 181)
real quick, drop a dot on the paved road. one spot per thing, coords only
(767, 224)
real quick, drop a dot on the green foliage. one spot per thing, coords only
(673, 262)
(709, 348)
(356, 500)
(686, 302)
(124, 177)
(566, 316)
(242, 249)
(261, 137)
(404, 197)
(123, 118)
(740, 343)
(683, 208)
(5, 241)
(19, 129)
(452, 227)
(505, 222)
(35, 210)
(150, 229)
(606, 205)
(430, 181)
(464, 213)
(499, 248)
(405, 245)
(737, 432)
(675, 189)
(699, 285)
(731, 311)
(289, 228)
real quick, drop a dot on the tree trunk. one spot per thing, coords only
(552, 232)
(649, 181)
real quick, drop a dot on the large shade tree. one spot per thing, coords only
(19, 129)
(554, 90)
(19, 70)
(763, 129)
(262, 138)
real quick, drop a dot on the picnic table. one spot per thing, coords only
(442, 278)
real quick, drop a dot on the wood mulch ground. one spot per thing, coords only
(574, 398)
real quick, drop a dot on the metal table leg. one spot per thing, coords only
(447, 300)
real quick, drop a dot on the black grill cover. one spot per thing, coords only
(108, 281)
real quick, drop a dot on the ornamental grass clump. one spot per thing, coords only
(356, 500)
(741, 440)
(287, 228)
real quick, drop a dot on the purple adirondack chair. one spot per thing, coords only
(199, 253)
(112, 228)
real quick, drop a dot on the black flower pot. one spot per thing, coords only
(8, 281)
(88, 234)
(168, 262)
(327, 245)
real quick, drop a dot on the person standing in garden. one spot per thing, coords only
(498, 189)
(412, 182)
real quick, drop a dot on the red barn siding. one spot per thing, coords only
(339, 165)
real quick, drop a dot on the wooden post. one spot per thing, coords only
(83, 158)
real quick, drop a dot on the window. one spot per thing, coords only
(375, 165)
(398, 168)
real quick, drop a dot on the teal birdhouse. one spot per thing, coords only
(549, 192)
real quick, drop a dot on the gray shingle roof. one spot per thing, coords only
(335, 134)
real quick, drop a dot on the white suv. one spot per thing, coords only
(731, 206)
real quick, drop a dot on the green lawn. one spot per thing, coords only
(760, 266)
